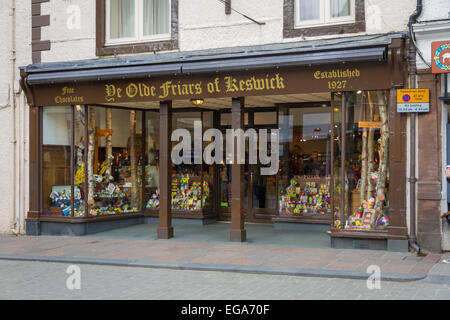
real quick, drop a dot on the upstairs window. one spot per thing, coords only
(323, 12)
(135, 21)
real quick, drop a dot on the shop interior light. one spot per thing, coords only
(359, 92)
(197, 102)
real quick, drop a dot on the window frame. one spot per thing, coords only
(106, 46)
(325, 15)
(291, 29)
(139, 36)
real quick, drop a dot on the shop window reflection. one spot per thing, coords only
(79, 161)
(191, 188)
(304, 184)
(151, 159)
(56, 154)
(366, 164)
(114, 159)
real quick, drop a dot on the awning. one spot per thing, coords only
(293, 54)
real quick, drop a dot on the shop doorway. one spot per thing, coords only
(260, 192)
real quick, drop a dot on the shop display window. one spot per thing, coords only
(191, 188)
(79, 160)
(225, 175)
(207, 170)
(151, 160)
(305, 162)
(114, 161)
(189, 191)
(365, 172)
(56, 154)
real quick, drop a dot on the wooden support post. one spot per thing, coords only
(35, 143)
(165, 229)
(238, 232)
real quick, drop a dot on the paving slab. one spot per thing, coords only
(228, 257)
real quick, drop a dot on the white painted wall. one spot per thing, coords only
(435, 10)
(203, 24)
(23, 57)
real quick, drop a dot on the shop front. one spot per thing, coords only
(103, 135)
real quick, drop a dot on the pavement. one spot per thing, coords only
(32, 280)
(189, 252)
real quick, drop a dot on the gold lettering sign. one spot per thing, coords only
(180, 88)
(280, 81)
(338, 78)
(67, 96)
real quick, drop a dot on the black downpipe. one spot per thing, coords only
(412, 176)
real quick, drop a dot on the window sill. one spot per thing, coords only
(324, 29)
(324, 24)
(112, 43)
(87, 219)
(137, 47)
(362, 234)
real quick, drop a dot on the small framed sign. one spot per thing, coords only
(413, 100)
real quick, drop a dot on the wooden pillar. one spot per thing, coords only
(165, 229)
(429, 157)
(238, 232)
(35, 168)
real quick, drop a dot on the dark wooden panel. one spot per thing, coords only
(40, 45)
(40, 21)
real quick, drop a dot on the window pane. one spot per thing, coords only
(156, 17)
(367, 176)
(340, 8)
(262, 118)
(225, 119)
(114, 161)
(186, 178)
(56, 186)
(121, 19)
(79, 161)
(304, 184)
(309, 10)
(207, 170)
(152, 160)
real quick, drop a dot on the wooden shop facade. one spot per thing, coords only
(101, 140)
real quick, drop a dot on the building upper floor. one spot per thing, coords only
(69, 30)
(86, 29)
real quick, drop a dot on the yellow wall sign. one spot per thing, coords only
(413, 100)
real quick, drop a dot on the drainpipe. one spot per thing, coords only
(12, 99)
(412, 175)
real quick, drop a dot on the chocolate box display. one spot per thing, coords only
(305, 196)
